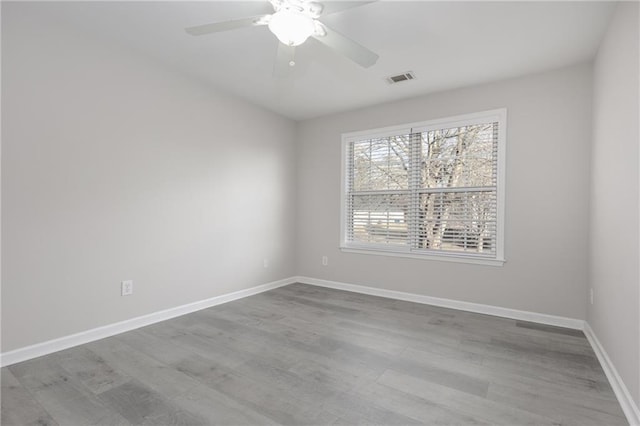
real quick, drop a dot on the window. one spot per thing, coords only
(427, 190)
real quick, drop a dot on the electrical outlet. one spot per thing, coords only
(325, 260)
(127, 287)
(265, 263)
(591, 295)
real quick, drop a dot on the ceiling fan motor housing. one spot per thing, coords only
(308, 8)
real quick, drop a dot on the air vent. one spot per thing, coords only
(401, 77)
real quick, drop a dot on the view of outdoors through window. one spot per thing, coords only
(426, 190)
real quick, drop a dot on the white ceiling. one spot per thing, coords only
(446, 44)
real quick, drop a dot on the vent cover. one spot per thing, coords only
(409, 75)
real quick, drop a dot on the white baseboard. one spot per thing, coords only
(619, 388)
(449, 303)
(50, 346)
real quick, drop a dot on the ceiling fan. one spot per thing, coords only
(293, 22)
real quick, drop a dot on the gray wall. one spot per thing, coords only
(547, 199)
(614, 253)
(115, 168)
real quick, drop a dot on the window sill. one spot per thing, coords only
(441, 258)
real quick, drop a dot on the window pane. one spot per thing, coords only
(432, 188)
(457, 221)
(379, 218)
(459, 157)
(381, 164)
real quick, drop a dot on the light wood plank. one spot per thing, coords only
(304, 355)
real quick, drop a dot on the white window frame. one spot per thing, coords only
(496, 115)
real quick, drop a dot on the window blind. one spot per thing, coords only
(425, 189)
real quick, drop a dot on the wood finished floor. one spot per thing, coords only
(302, 355)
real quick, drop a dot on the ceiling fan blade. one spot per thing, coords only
(338, 6)
(227, 25)
(349, 48)
(284, 57)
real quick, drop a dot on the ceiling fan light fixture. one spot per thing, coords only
(292, 28)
